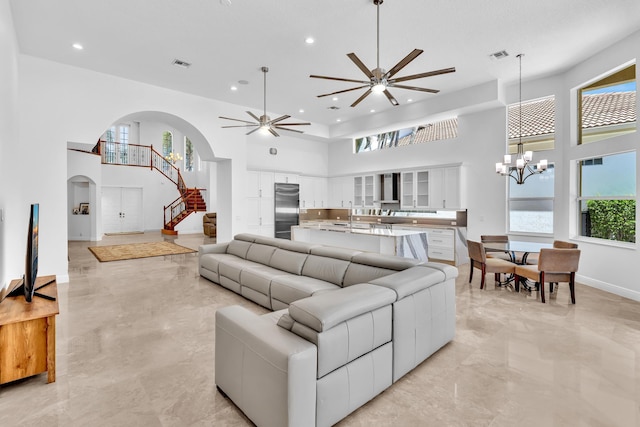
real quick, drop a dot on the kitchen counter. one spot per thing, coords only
(406, 243)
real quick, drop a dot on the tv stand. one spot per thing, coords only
(28, 333)
(19, 291)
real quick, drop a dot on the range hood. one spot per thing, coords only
(389, 189)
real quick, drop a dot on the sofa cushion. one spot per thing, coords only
(293, 246)
(288, 289)
(238, 248)
(325, 268)
(291, 262)
(232, 267)
(260, 253)
(245, 237)
(258, 277)
(326, 310)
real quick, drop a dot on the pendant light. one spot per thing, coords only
(521, 169)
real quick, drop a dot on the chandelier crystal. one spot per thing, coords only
(521, 169)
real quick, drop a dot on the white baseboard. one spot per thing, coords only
(608, 287)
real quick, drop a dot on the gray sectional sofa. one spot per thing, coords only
(346, 325)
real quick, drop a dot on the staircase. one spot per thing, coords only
(190, 199)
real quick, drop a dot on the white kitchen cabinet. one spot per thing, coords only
(260, 203)
(441, 242)
(415, 190)
(260, 184)
(286, 178)
(445, 188)
(340, 192)
(313, 192)
(364, 189)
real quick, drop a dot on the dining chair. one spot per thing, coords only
(554, 266)
(486, 265)
(558, 244)
(488, 238)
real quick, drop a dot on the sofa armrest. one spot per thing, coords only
(267, 371)
(214, 248)
(410, 281)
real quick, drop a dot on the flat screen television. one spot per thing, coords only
(27, 286)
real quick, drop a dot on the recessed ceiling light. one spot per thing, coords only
(309, 40)
(338, 120)
(372, 111)
(301, 111)
(234, 88)
(77, 46)
(335, 98)
(409, 100)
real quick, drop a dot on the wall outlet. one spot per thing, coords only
(357, 219)
(337, 217)
(318, 213)
(453, 223)
(379, 219)
(415, 221)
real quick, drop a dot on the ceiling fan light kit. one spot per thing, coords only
(379, 79)
(264, 123)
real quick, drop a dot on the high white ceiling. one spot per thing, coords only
(229, 40)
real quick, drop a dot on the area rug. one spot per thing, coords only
(137, 250)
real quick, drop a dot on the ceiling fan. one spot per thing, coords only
(264, 122)
(379, 79)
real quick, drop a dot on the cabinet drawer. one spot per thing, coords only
(441, 253)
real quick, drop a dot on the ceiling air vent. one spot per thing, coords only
(499, 55)
(181, 63)
(333, 107)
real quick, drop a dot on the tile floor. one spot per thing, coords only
(135, 347)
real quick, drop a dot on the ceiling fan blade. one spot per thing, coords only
(338, 79)
(255, 130)
(364, 95)
(292, 124)
(343, 91)
(400, 65)
(290, 130)
(360, 64)
(279, 119)
(420, 89)
(390, 97)
(254, 116)
(237, 120)
(422, 75)
(273, 132)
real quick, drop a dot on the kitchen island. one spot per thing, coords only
(405, 243)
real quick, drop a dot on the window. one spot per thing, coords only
(167, 143)
(445, 129)
(531, 204)
(115, 148)
(538, 124)
(607, 107)
(607, 197)
(124, 144)
(188, 155)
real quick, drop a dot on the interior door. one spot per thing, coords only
(122, 210)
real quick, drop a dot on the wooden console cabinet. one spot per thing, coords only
(28, 334)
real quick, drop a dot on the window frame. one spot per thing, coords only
(551, 199)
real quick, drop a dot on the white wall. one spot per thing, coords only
(13, 213)
(296, 154)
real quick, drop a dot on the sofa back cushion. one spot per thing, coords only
(323, 268)
(294, 246)
(260, 253)
(238, 248)
(360, 273)
(289, 261)
(366, 267)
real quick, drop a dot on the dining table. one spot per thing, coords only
(518, 251)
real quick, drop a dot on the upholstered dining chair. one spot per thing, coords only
(486, 265)
(486, 238)
(554, 266)
(558, 244)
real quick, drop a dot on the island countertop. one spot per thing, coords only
(372, 231)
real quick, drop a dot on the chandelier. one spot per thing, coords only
(521, 169)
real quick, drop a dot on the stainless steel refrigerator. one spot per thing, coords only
(287, 209)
